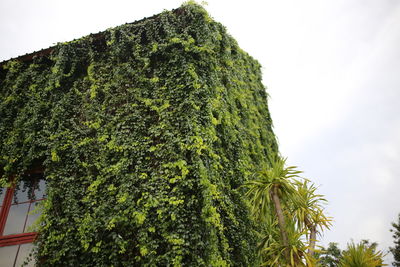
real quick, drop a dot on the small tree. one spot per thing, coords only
(362, 254)
(330, 256)
(396, 249)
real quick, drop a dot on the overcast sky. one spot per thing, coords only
(332, 69)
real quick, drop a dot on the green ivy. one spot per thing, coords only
(146, 132)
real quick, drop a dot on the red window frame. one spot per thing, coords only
(15, 239)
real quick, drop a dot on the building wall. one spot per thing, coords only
(146, 133)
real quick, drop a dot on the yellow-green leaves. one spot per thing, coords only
(54, 156)
(139, 217)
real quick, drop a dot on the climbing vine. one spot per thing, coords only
(146, 132)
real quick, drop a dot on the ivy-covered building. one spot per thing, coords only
(133, 144)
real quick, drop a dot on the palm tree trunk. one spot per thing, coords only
(313, 237)
(281, 221)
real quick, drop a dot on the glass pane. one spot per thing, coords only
(2, 194)
(41, 190)
(23, 255)
(33, 214)
(16, 219)
(21, 195)
(7, 255)
(33, 187)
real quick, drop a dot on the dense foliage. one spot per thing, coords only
(396, 236)
(146, 132)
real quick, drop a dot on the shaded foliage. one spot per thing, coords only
(396, 236)
(330, 256)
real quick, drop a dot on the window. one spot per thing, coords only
(16, 218)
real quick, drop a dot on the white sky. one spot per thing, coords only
(332, 68)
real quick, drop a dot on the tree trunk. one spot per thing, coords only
(313, 236)
(281, 221)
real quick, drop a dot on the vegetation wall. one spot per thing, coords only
(146, 132)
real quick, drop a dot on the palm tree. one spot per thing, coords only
(273, 251)
(361, 255)
(308, 211)
(271, 186)
(299, 214)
